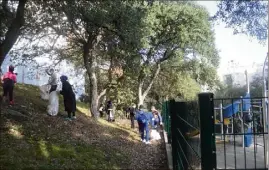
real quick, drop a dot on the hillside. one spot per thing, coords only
(31, 139)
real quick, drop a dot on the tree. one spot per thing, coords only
(12, 19)
(90, 28)
(175, 30)
(248, 17)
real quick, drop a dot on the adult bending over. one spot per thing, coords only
(69, 98)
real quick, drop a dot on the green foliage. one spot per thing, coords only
(247, 17)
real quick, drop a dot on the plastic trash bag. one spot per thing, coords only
(155, 135)
(53, 107)
(44, 92)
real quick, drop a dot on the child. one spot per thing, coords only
(101, 110)
(143, 124)
(9, 79)
(157, 118)
(109, 109)
(69, 98)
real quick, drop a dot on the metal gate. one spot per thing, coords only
(233, 135)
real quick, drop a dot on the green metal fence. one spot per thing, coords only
(181, 121)
(166, 119)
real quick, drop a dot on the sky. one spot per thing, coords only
(243, 49)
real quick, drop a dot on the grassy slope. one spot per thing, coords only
(37, 141)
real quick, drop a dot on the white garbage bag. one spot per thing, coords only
(155, 135)
(44, 92)
(53, 107)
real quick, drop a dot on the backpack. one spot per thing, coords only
(142, 118)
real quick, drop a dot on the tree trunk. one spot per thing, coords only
(142, 95)
(13, 31)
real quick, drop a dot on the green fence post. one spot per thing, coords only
(207, 131)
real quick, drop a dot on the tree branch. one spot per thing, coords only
(152, 80)
(13, 31)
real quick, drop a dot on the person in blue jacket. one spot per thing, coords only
(143, 118)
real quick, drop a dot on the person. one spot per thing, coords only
(52, 80)
(9, 80)
(69, 98)
(101, 110)
(132, 116)
(157, 118)
(109, 109)
(143, 120)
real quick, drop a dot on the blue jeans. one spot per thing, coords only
(142, 128)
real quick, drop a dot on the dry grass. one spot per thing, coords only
(32, 140)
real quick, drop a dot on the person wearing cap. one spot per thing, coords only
(52, 80)
(69, 98)
(9, 79)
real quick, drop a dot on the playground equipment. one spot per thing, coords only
(239, 109)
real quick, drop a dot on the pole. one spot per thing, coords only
(265, 109)
(247, 81)
(266, 125)
(221, 120)
(242, 122)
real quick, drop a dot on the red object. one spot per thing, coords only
(10, 75)
(11, 102)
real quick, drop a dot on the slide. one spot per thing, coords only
(233, 108)
(228, 111)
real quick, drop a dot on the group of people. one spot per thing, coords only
(145, 119)
(67, 93)
(9, 79)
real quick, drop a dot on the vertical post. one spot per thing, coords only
(207, 134)
(174, 126)
(242, 121)
(264, 107)
(221, 120)
(247, 81)
(266, 125)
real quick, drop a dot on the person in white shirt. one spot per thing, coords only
(52, 80)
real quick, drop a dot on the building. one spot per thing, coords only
(37, 76)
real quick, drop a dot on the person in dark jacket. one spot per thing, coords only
(132, 115)
(69, 98)
(9, 80)
(109, 110)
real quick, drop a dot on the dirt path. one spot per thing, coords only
(144, 156)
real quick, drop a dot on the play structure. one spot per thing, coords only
(240, 110)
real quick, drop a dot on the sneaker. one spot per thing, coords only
(144, 140)
(148, 142)
(11, 102)
(74, 117)
(68, 119)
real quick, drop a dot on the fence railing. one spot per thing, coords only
(166, 119)
(185, 131)
(201, 138)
